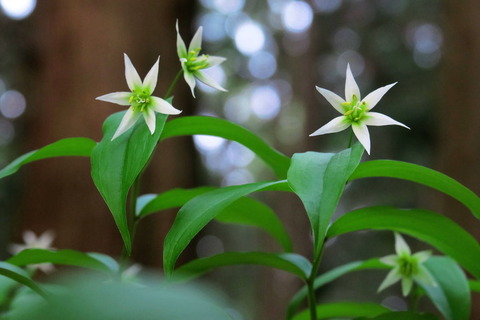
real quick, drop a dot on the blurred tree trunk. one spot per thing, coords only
(77, 55)
(459, 129)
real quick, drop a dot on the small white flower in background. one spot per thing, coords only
(131, 273)
(355, 111)
(193, 63)
(140, 99)
(31, 241)
(407, 267)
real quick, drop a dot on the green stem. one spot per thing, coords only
(350, 140)
(172, 85)
(312, 300)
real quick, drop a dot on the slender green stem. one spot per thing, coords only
(350, 139)
(312, 300)
(172, 85)
(414, 299)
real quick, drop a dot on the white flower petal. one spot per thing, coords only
(422, 256)
(407, 284)
(379, 119)
(121, 98)
(423, 276)
(150, 120)
(392, 277)
(29, 237)
(335, 125)
(335, 100)
(44, 267)
(373, 97)
(401, 247)
(361, 132)
(208, 80)
(46, 239)
(127, 122)
(196, 42)
(150, 81)
(390, 260)
(214, 61)
(351, 87)
(190, 80)
(181, 48)
(131, 74)
(161, 106)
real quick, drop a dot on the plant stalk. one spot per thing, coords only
(172, 85)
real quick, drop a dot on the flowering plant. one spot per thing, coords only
(318, 179)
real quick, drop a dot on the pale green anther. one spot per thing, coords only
(349, 112)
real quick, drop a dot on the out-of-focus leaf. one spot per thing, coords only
(94, 261)
(451, 295)
(289, 262)
(21, 276)
(422, 175)
(402, 315)
(319, 180)
(194, 215)
(116, 164)
(62, 148)
(344, 310)
(222, 128)
(428, 226)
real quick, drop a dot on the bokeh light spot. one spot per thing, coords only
(12, 104)
(18, 9)
(249, 38)
(297, 16)
(262, 65)
(265, 102)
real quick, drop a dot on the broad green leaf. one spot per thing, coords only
(66, 257)
(244, 211)
(62, 148)
(319, 179)
(401, 315)
(174, 198)
(345, 310)
(422, 175)
(21, 276)
(330, 276)
(194, 215)
(451, 295)
(289, 262)
(433, 228)
(222, 128)
(474, 285)
(116, 164)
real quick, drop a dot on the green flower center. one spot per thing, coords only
(355, 110)
(195, 62)
(408, 266)
(139, 101)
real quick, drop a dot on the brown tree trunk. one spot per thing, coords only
(78, 55)
(459, 128)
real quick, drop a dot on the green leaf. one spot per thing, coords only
(194, 215)
(174, 198)
(402, 315)
(422, 175)
(451, 295)
(244, 211)
(289, 262)
(319, 179)
(94, 261)
(62, 148)
(431, 227)
(344, 310)
(21, 276)
(474, 285)
(330, 276)
(222, 128)
(116, 164)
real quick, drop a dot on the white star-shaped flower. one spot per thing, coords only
(407, 267)
(355, 111)
(140, 99)
(31, 241)
(193, 63)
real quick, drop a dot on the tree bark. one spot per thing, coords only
(459, 129)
